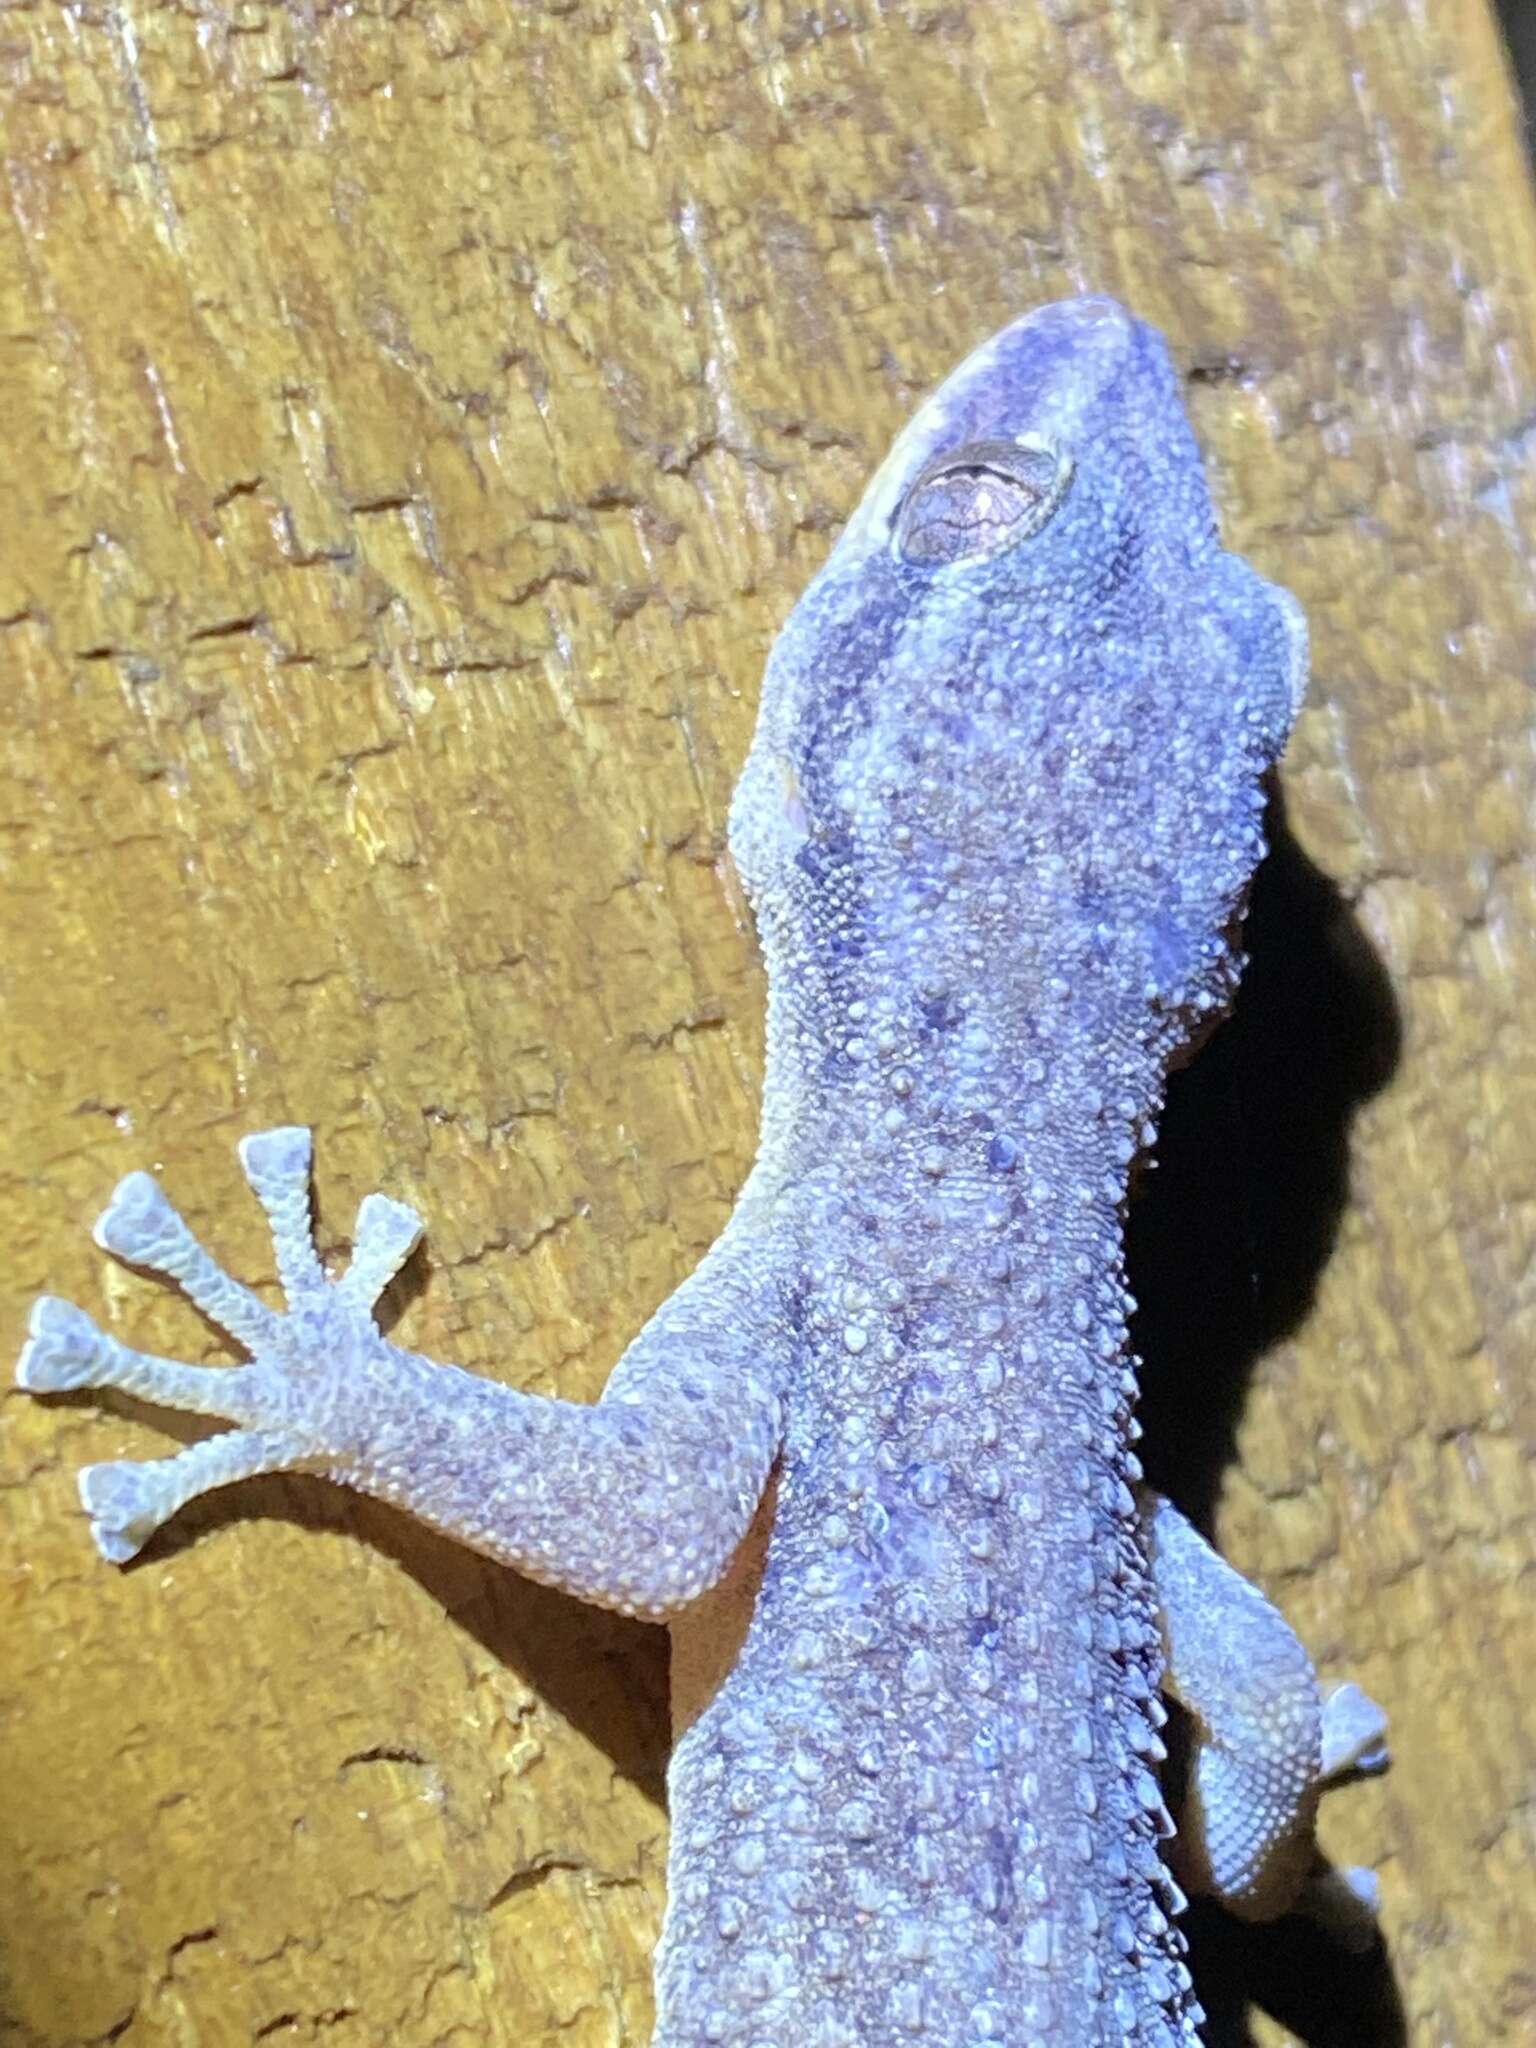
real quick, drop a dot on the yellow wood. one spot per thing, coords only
(415, 422)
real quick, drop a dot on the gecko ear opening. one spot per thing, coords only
(1268, 631)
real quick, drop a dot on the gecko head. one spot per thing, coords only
(1029, 695)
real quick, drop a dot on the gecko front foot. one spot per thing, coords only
(303, 1366)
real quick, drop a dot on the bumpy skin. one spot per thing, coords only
(997, 823)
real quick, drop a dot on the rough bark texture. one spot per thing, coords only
(417, 420)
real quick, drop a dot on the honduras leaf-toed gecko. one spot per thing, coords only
(874, 1459)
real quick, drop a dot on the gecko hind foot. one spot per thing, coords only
(286, 1393)
(1354, 1736)
(1345, 1901)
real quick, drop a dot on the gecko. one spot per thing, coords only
(874, 1460)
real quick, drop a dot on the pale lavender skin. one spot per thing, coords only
(997, 823)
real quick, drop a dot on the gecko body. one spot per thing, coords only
(874, 1459)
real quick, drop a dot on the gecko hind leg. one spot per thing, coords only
(1266, 1744)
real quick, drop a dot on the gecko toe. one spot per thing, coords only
(138, 1224)
(387, 1232)
(284, 1153)
(120, 1500)
(63, 1350)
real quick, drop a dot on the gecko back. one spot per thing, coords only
(998, 822)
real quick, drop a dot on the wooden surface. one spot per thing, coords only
(416, 422)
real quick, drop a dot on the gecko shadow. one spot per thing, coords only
(1225, 1244)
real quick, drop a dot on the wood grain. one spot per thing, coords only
(417, 421)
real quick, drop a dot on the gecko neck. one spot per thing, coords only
(932, 1086)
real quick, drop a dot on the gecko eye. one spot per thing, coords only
(975, 501)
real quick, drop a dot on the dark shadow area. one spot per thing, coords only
(1227, 1238)
(1517, 18)
(1322, 1992)
(1232, 1227)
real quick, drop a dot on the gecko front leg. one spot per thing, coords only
(636, 1503)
